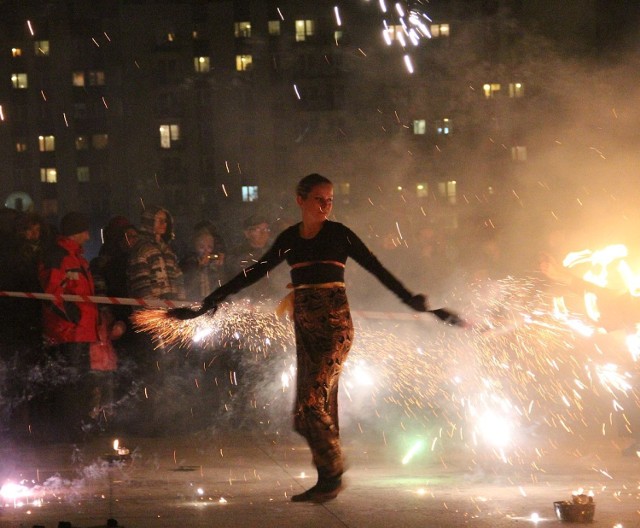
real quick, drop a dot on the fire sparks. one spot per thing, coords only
(233, 322)
(404, 24)
(15, 493)
(452, 380)
(529, 364)
(415, 448)
(336, 12)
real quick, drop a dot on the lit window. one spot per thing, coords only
(77, 78)
(444, 127)
(519, 153)
(41, 48)
(249, 193)
(516, 90)
(169, 135)
(422, 190)
(448, 190)
(46, 143)
(100, 141)
(82, 143)
(242, 29)
(19, 80)
(274, 28)
(96, 78)
(16, 52)
(244, 62)
(419, 127)
(394, 32)
(83, 174)
(439, 30)
(201, 64)
(21, 146)
(304, 29)
(491, 90)
(48, 175)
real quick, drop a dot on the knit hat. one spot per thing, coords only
(115, 229)
(73, 223)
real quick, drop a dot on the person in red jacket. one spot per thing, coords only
(69, 327)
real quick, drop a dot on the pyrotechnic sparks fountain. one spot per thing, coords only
(522, 368)
(524, 377)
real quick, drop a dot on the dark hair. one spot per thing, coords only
(206, 225)
(209, 227)
(306, 184)
(26, 220)
(254, 220)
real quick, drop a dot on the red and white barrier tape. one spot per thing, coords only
(162, 303)
(97, 299)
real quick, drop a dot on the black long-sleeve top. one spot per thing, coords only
(334, 243)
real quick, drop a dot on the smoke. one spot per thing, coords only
(555, 170)
(556, 154)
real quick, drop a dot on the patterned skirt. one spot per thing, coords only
(324, 333)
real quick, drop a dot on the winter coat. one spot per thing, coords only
(152, 268)
(64, 270)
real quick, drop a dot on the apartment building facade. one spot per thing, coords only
(215, 108)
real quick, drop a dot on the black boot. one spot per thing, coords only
(325, 490)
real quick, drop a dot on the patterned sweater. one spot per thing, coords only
(152, 268)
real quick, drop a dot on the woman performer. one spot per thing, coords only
(317, 250)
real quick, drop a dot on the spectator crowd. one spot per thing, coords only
(72, 369)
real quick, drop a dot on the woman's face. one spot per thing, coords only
(318, 204)
(160, 223)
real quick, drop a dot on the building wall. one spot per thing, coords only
(354, 118)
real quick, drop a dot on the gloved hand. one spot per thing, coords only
(184, 313)
(210, 302)
(418, 303)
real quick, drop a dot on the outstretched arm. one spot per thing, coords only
(418, 302)
(363, 256)
(247, 277)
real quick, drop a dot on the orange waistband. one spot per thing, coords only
(310, 263)
(285, 306)
(319, 285)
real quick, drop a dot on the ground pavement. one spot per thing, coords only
(246, 479)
